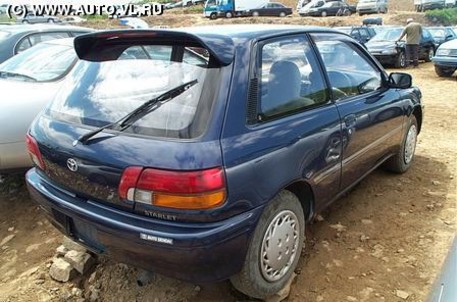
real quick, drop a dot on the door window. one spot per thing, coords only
(290, 79)
(349, 71)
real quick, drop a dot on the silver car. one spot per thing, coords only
(27, 82)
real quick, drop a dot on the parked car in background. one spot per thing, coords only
(332, 8)
(234, 8)
(442, 34)
(32, 18)
(387, 50)
(271, 9)
(362, 34)
(171, 160)
(73, 20)
(17, 38)
(445, 60)
(28, 82)
(423, 5)
(372, 7)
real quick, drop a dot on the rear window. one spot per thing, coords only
(99, 93)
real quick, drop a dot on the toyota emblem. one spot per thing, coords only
(72, 165)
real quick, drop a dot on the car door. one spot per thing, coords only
(292, 130)
(334, 8)
(371, 115)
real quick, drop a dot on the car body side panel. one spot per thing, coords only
(372, 125)
(263, 158)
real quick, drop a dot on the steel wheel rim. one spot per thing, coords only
(279, 246)
(410, 144)
(402, 60)
(431, 54)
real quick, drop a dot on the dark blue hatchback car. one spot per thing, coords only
(201, 153)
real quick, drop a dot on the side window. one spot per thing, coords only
(290, 79)
(23, 45)
(348, 69)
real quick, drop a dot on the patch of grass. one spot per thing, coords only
(444, 17)
(6, 19)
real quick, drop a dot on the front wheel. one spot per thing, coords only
(213, 16)
(400, 60)
(255, 14)
(228, 15)
(324, 14)
(275, 248)
(430, 55)
(443, 71)
(282, 14)
(401, 161)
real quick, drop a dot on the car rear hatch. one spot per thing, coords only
(169, 155)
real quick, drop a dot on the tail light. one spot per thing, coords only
(34, 151)
(195, 190)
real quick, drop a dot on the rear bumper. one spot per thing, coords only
(205, 252)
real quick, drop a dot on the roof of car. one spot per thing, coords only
(219, 40)
(63, 42)
(13, 29)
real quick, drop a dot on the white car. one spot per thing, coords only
(28, 81)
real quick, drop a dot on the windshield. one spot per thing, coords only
(99, 93)
(437, 33)
(41, 63)
(391, 34)
(210, 3)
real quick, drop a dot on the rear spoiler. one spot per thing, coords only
(96, 46)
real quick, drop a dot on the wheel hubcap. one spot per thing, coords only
(279, 246)
(410, 145)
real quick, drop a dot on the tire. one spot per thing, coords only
(254, 280)
(347, 13)
(324, 14)
(360, 14)
(400, 60)
(444, 72)
(229, 15)
(255, 14)
(401, 161)
(50, 20)
(282, 14)
(25, 22)
(430, 54)
(213, 16)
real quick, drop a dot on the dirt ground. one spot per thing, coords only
(390, 234)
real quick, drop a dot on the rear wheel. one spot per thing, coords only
(282, 14)
(443, 71)
(255, 14)
(400, 60)
(275, 248)
(401, 161)
(324, 13)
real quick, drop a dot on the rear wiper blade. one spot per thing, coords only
(8, 74)
(146, 108)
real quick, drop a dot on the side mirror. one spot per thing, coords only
(400, 80)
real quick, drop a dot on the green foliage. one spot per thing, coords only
(445, 17)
